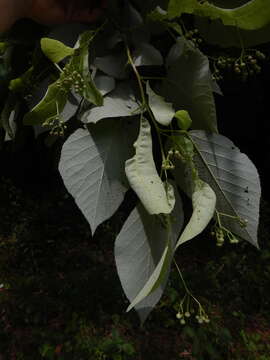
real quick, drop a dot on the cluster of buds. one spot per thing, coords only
(71, 78)
(221, 233)
(202, 318)
(193, 35)
(249, 64)
(56, 124)
(183, 316)
(167, 163)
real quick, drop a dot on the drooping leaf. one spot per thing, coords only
(188, 85)
(253, 15)
(147, 55)
(119, 103)
(140, 247)
(92, 167)
(234, 179)
(55, 50)
(162, 110)
(143, 177)
(204, 203)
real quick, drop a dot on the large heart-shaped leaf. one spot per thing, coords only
(92, 167)
(188, 85)
(140, 249)
(234, 179)
(143, 177)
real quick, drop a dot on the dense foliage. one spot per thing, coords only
(131, 103)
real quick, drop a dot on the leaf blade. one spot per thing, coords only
(92, 168)
(234, 179)
(142, 174)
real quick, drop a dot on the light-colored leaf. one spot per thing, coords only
(204, 203)
(143, 177)
(119, 103)
(55, 50)
(113, 65)
(157, 277)
(188, 85)
(92, 168)
(138, 250)
(105, 84)
(234, 179)
(147, 55)
(162, 110)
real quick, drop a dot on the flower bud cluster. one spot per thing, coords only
(71, 78)
(201, 316)
(193, 35)
(249, 64)
(221, 233)
(56, 124)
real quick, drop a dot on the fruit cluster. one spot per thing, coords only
(245, 66)
(194, 36)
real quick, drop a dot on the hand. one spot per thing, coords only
(49, 11)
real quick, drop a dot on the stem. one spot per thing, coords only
(137, 76)
(144, 102)
(184, 283)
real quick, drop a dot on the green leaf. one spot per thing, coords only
(255, 14)
(188, 85)
(234, 179)
(80, 62)
(183, 119)
(203, 202)
(119, 103)
(49, 107)
(92, 167)
(55, 99)
(162, 110)
(55, 50)
(143, 177)
(215, 33)
(139, 248)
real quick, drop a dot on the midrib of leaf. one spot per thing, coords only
(103, 170)
(216, 182)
